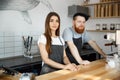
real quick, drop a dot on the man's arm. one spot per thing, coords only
(75, 53)
(94, 45)
(67, 36)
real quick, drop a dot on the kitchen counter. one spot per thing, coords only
(19, 60)
(97, 70)
(21, 64)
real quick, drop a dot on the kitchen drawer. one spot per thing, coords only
(30, 68)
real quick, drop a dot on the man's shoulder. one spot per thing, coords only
(68, 29)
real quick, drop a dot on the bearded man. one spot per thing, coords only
(75, 36)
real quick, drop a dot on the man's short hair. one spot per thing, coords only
(81, 14)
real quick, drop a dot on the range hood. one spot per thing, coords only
(77, 9)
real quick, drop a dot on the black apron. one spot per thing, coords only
(78, 44)
(56, 55)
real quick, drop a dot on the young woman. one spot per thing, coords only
(51, 46)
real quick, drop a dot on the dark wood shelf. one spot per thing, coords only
(101, 30)
(105, 17)
(111, 2)
(103, 11)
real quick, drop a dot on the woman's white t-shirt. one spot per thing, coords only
(55, 40)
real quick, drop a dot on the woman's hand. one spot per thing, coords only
(85, 62)
(72, 67)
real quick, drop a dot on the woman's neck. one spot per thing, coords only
(53, 34)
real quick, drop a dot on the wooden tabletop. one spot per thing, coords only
(97, 70)
(9, 77)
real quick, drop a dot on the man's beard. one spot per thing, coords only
(79, 29)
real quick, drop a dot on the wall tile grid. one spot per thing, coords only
(11, 44)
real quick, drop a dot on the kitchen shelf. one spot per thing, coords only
(101, 30)
(110, 2)
(108, 9)
(105, 17)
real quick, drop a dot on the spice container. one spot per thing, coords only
(104, 26)
(97, 26)
(112, 26)
(117, 26)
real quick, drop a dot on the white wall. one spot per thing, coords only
(13, 26)
(13, 21)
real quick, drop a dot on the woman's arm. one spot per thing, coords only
(66, 60)
(47, 60)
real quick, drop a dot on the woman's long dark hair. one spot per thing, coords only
(48, 33)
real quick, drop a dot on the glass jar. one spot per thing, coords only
(97, 26)
(104, 26)
(117, 26)
(112, 26)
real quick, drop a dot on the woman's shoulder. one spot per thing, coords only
(62, 39)
(42, 36)
(42, 39)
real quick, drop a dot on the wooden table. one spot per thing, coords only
(9, 77)
(97, 70)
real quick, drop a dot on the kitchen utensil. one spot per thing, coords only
(28, 44)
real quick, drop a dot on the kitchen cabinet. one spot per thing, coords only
(23, 64)
(105, 9)
(30, 68)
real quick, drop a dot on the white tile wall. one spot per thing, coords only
(18, 49)
(18, 38)
(1, 51)
(2, 54)
(18, 53)
(9, 38)
(9, 50)
(18, 44)
(11, 43)
(1, 45)
(1, 39)
(1, 33)
(9, 54)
